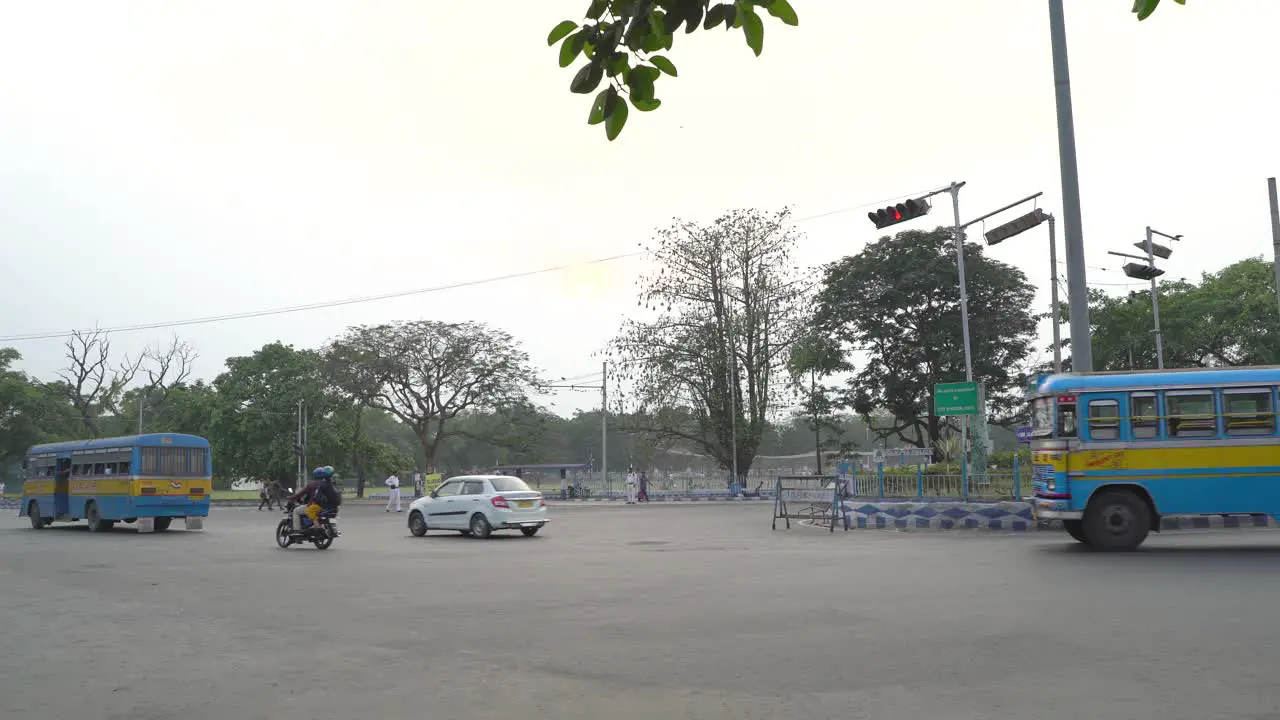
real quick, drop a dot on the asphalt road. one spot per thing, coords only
(685, 611)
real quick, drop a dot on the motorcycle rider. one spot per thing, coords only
(305, 499)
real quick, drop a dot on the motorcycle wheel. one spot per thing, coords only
(323, 542)
(282, 534)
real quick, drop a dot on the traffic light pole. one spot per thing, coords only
(1155, 305)
(1053, 293)
(968, 353)
(1275, 231)
(1077, 289)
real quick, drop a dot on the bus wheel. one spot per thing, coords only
(94, 516)
(161, 523)
(1075, 528)
(1116, 520)
(33, 513)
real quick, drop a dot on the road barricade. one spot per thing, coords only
(812, 498)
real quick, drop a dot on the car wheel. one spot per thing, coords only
(162, 523)
(417, 524)
(530, 531)
(480, 526)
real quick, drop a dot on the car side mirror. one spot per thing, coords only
(434, 494)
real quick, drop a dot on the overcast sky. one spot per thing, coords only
(163, 161)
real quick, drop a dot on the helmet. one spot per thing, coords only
(318, 473)
(328, 471)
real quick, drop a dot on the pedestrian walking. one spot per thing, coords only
(393, 492)
(631, 487)
(266, 495)
(643, 495)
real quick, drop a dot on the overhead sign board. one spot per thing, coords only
(951, 399)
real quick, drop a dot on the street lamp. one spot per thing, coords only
(1147, 270)
(1022, 224)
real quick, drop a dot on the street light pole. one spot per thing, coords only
(1077, 289)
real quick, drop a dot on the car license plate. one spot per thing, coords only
(524, 504)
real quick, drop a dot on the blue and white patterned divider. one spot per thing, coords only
(10, 502)
(888, 515)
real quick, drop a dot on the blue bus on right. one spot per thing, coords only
(1114, 452)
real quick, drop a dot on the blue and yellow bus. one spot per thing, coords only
(1114, 452)
(147, 479)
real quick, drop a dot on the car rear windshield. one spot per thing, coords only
(508, 484)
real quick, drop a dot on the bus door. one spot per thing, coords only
(62, 487)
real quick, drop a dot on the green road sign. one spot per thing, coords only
(955, 398)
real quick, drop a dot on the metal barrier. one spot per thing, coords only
(815, 498)
(881, 482)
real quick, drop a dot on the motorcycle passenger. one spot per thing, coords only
(327, 496)
(305, 499)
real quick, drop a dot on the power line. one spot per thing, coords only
(319, 305)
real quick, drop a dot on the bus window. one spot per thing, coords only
(1144, 420)
(1066, 419)
(1104, 420)
(122, 468)
(1248, 412)
(99, 468)
(1042, 416)
(1190, 413)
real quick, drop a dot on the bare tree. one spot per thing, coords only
(166, 368)
(426, 373)
(91, 382)
(711, 368)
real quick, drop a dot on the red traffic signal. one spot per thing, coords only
(901, 212)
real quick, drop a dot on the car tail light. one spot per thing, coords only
(542, 502)
(500, 502)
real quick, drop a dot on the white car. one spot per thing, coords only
(476, 505)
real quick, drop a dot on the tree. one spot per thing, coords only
(254, 423)
(91, 382)
(814, 358)
(729, 304)
(898, 301)
(28, 411)
(1228, 318)
(426, 373)
(621, 36)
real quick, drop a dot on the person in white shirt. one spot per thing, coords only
(393, 492)
(631, 487)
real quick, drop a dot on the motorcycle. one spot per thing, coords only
(321, 534)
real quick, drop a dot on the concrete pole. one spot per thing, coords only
(1077, 289)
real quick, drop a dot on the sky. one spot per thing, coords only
(166, 161)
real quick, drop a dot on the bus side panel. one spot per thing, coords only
(42, 492)
(111, 495)
(1208, 479)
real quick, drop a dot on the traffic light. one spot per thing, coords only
(901, 212)
(1142, 271)
(1160, 251)
(997, 235)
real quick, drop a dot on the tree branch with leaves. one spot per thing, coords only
(621, 40)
